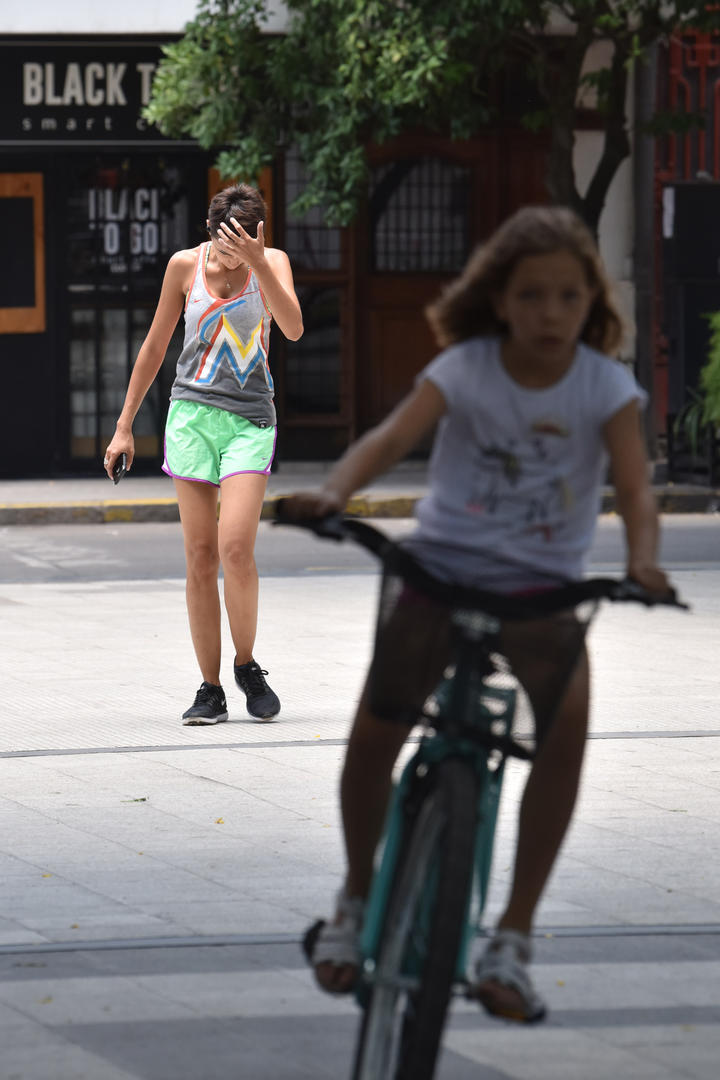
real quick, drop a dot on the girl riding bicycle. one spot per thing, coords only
(529, 409)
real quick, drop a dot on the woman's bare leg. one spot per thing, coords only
(197, 503)
(241, 503)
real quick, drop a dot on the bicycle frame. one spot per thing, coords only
(473, 722)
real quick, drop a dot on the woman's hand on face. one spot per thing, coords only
(119, 444)
(241, 244)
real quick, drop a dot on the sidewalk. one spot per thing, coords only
(152, 498)
(155, 879)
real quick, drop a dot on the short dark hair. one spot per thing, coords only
(240, 201)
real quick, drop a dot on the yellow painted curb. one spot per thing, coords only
(400, 506)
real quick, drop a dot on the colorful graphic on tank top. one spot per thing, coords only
(224, 343)
(224, 361)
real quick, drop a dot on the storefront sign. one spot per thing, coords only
(128, 222)
(81, 92)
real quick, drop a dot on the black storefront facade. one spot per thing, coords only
(92, 203)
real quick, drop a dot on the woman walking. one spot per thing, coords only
(220, 432)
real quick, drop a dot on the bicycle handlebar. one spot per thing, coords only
(339, 527)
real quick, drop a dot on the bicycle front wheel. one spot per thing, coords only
(416, 964)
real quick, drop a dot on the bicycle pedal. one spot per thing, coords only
(309, 940)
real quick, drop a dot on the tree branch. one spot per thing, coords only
(616, 145)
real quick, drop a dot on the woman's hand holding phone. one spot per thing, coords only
(119, 468)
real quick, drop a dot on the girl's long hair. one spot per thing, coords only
(465, 308)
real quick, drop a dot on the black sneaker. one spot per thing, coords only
(209, 706)
(262, 702)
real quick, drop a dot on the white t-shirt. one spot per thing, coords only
(516, 473)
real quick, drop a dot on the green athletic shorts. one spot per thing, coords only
(209, 444)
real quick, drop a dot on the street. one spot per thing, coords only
(156, 879)
(141, 552)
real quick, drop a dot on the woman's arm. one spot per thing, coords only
(276, 281)
(272, 268)
(635, 500)
(375, 452)
(151, 355)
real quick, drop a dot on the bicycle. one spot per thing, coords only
(431, 880)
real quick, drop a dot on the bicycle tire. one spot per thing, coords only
(405, 1013)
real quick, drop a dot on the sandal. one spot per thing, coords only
(504, 963)
(336, 943)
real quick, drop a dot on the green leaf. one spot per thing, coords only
(349, 72)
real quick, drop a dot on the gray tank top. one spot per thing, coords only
(224, 360)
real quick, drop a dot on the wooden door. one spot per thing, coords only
(401, 342)
(431, 201)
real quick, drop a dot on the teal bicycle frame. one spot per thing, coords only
(464, 703)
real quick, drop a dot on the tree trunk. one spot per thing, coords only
(616, 146)
(560, 176)
(559, 67)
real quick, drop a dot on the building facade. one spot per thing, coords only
(93, 201)
(687, 211)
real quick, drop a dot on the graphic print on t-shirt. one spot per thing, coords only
(224, 344)
(502, 466)
(546, 505)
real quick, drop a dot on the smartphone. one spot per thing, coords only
(119, 468)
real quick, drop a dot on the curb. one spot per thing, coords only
(106, 511)
(370, 506)
(675, 500)
(671, 500)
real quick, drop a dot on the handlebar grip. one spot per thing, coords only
(332, 526)
(633, 590)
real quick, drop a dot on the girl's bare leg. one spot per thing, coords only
(545, 813)
(548, 802)
(365, 788)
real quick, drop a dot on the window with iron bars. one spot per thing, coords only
(419, 216)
